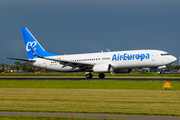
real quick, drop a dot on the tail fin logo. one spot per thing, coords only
(31, 44)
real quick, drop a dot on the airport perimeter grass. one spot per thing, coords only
(113, 97)
(68, 84)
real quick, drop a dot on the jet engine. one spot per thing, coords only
(102, 68)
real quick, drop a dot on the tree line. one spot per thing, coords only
(23, 67)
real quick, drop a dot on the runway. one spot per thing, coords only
(97, 79)
(83, 115)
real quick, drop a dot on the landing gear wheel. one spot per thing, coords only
(89, 76)
(101, 75)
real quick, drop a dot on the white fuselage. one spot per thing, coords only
(104, 62)
(118, 60)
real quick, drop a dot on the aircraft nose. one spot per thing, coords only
(173, 59)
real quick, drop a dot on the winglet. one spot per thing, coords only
(108, 50)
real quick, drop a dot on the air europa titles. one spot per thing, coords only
(125, 56)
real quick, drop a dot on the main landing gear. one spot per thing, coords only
(89, 75)
(101, 75)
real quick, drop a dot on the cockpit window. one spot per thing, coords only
(164, 54)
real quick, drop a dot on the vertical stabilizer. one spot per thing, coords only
(31, 43)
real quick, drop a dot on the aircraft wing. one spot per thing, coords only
(65, 63)
(73, 64)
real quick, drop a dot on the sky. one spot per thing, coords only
(86, 26)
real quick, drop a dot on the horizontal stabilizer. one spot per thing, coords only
(20, 59)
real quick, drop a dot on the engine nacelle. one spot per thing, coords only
(102, 68)
(122, 70)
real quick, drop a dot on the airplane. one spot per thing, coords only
(102, 62)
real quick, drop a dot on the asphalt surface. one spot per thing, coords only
(95, 79)
(82, 115)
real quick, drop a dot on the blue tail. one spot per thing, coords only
(31, 43)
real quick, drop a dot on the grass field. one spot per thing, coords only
(146, 102)
(113, 97)
(136, 85)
